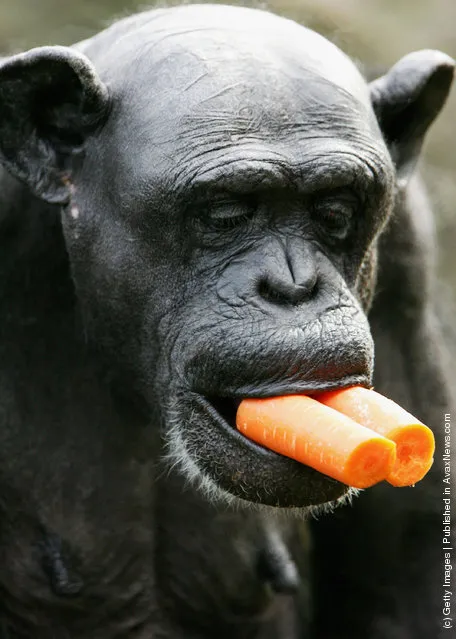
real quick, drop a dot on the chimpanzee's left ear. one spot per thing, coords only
(407, 100)
(51, 99)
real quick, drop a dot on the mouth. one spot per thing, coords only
(245, 469)
(224, 407)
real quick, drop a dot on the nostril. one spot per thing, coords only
(270, 293)
(276, 291)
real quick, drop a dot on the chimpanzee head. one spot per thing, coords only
(223, 176)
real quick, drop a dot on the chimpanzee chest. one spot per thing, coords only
(124, 582)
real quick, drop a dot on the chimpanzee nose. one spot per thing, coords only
(291, 278)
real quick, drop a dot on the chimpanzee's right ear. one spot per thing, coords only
(51, 99)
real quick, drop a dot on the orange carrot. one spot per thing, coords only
(414, 441)
(302, 428)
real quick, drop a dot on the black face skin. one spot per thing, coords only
(193, 206)
(253, 194)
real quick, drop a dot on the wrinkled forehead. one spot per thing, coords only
(210, 85)
(223, 38)
(226, 56)
(245, 93)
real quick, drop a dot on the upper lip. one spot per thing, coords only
(284, 387)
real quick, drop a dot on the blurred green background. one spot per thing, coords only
(376, 32)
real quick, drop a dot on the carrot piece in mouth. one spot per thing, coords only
(304, 429)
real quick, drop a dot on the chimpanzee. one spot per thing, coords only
(202, 204)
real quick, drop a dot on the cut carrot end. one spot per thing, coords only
(371, 462)
(415, 450)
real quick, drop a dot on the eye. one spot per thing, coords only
(230, 212)
(335, 216)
